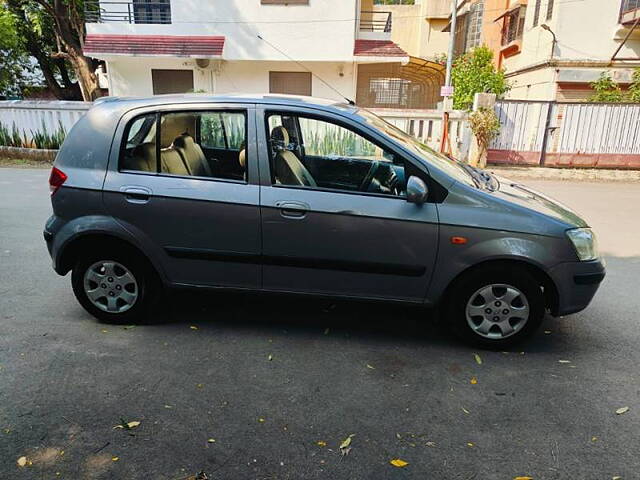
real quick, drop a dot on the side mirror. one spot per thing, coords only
(417, 191)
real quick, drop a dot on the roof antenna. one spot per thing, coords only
(349, 101)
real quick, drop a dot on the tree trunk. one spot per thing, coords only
(87, 79)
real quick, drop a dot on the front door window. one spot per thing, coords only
(319, 154)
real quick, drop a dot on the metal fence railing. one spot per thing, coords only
(138, 11)
(375, 21)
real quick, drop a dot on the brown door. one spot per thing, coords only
(172, 81)
(291, 83)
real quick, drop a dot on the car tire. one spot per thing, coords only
(487, 306)
(117, 287)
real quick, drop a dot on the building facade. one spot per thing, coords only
(326, 48)
(554, 49)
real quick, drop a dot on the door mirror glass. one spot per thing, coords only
(417, 191)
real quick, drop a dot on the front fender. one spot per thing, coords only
(484, 245)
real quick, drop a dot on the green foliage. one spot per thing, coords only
(50, 141)
(606, 90)
(394, 2)
(473, 73)
(15, 68)
(485, 125)
(634, 88)
(39, 139)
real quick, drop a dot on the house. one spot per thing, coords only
(335, 49)
(554, 49)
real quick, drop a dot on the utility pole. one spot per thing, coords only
(452, 41)
(447, 90)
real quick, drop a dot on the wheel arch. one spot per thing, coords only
(550, 290)
(80, 244)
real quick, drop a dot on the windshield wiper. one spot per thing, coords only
(482, 178)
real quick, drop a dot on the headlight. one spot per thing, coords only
(584, 241)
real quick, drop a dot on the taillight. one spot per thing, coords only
(56, 179)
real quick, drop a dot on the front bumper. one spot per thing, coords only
(577, 283)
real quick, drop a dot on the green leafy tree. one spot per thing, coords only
(15, 67)
(53, 33)
(606, 90)
(634, 88)
(473, 73)
(485, 125)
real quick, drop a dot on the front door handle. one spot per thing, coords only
(136, 194)
(290, 209)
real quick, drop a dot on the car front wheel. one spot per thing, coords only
(496, 307)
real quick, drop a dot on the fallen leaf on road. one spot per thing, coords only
(326, 331)
(211, 440)
(129, 327)
(115, 459)
(347, 441)
(371, 367)
(270, 357)
(523, 478)
(261, 420)
(127, 425)
(474, 380)
(622, 410)
(616, 478)
(321, 443)
(465, 410)
(104, 330)
(430, 444)
(564, 361)
(345, 446)
(469, 444)
(593, 439)
(168, 406)
(199, 385)
(547, 332)
(396, 462)
(478, 359)
(22, 461)
(193, 327)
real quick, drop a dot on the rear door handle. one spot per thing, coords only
(290, 209)
(136, 194)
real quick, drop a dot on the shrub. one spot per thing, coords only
(485, 125)
(606, 90)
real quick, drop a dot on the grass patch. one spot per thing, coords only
(23, 163)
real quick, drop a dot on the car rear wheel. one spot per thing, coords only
(115, 287)
(496, 307)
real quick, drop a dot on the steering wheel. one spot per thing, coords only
(366, 183)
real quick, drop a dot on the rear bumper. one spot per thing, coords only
(577, 283)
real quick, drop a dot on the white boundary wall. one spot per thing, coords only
(29, 115)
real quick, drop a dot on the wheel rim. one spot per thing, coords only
(110, 286)
(497, 311)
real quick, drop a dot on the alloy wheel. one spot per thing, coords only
(110, 286)
(497, 311)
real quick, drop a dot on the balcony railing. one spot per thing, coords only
(629, 11)
(136, 11)
(375, 21)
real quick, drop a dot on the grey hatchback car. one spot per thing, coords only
(300, 195)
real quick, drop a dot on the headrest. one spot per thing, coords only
(183, 141)
(279, 138)
(174, 125)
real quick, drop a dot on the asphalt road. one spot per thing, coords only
(278, 383)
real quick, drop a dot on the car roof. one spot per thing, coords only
(125, 104)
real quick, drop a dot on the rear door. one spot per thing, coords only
(351, 232)
(206, 227)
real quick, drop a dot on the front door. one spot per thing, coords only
(334, 215)
(184, 182)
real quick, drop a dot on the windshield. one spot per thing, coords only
(450, 167)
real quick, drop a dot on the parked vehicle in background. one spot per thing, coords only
(297, 195)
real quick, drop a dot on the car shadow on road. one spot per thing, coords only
(303, 315)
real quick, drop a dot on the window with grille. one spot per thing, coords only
(550, 9)
(536, 12)
(513, 26)
(628, 5)
(474, 26)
